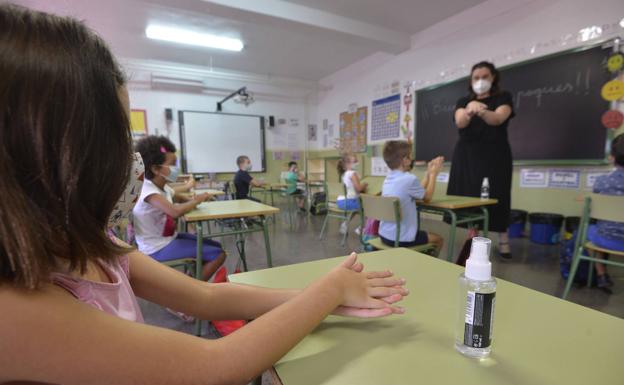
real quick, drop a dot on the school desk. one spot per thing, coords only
(231, 209)
(538, 339)
(453, 206)
(197, 191)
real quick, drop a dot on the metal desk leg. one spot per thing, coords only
(198, 267)
(452, 230)
(240, 246)
(486, 221)
(267, 244)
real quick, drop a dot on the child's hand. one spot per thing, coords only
(202, 197)
(190, 183)
(369, 294)
(435, 165)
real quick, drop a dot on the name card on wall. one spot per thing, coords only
(566, 179)
(379, 167)
(532, 178)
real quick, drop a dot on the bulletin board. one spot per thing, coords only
(353, 130)
(138, 123)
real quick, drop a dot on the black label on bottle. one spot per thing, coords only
(479, 319)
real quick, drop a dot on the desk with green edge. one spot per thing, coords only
(269, 188)
(453, 206)
(232, 209)
(538, 339)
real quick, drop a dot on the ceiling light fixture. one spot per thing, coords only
(184, 36)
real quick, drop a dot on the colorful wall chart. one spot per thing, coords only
(353, 130)
(386, 119)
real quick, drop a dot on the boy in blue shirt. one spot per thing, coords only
(404, 185)
(606, 234)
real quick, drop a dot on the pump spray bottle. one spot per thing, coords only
(477, 291)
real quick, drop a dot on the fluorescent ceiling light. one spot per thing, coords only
(184, 36)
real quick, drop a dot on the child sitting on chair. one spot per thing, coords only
(155, 213)
(347, 171)
(402, 184)
(606, 234)
(292, 178)
(243, 181)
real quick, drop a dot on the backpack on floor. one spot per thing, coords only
(317, 206)
(565, 261)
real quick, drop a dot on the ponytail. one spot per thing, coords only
(340, 167)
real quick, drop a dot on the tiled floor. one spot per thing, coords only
(534, 266)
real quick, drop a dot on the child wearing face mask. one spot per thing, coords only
(347, 171)
(292, 178)
(242, 180)
(155, 212)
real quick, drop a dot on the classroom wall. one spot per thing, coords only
(499, 30)
(289, 101)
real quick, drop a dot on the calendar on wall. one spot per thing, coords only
(386, 118)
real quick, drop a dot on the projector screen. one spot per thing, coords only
(211, 141)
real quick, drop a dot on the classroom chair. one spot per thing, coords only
(332, 191)
(600, 207)
(387, 209)
(230, 190)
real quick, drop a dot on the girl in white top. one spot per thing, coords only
(347, 170)
(155, 212)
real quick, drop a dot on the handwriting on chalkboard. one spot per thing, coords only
(560, 88)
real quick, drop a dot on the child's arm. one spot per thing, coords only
(175, 210)
(186, 187)
(256, 183)
(170, 288)
(78, 344)
(433, 168)
(359, 187)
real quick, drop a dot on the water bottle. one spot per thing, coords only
(477, 297)
(485, 189)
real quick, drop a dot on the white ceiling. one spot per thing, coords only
(408, 16)
(296, 38)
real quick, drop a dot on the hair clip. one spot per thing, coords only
(162, 149)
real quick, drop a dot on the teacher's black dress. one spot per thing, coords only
(484, 151)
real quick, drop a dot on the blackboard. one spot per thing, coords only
(557, 103)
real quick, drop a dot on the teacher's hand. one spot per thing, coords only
(473, 108)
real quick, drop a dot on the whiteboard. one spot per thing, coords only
(212, 141)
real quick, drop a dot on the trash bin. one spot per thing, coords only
(545, 228)
(517, 221)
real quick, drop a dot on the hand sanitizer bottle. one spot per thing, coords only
(485, 189)
(477, 291)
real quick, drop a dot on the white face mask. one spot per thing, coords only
(481, 86)
(131, 194)
(248, 167)
(174, 171)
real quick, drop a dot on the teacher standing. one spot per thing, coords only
(483, 149)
